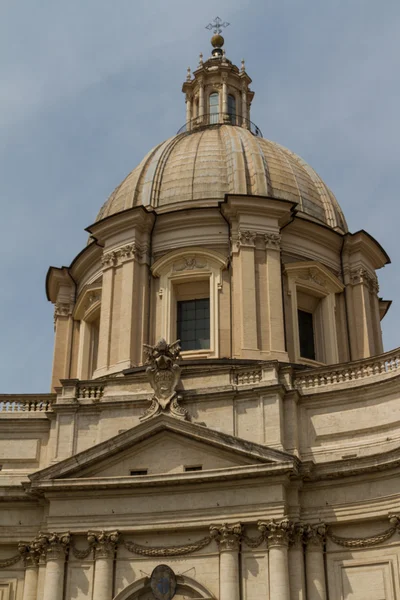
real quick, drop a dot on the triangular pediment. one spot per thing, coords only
(161, 446)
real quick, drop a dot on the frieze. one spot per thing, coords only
(228, 537)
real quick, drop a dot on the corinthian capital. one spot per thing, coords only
(53, 546)
(30, 554)
(298, 532)
(315, 536)
(272, 241)
(246, 238)
(277, 533)
(227, 536)
(104, 542)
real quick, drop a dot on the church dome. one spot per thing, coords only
(199, 167)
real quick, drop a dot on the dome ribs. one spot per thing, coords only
(202, 166)
(210, 180)
(159, 170)
(299, 198)
(194, 162)
(235, 157)
(146, 180)
(257, 175)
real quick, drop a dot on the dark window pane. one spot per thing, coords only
(306, 334)
(193, 324)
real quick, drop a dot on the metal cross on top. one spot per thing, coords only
(217, 25)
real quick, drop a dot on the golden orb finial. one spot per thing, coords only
(217, 41)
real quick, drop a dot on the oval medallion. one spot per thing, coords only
(163, 583)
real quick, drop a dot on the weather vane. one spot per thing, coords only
(217, 25)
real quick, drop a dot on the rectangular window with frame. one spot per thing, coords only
(193, 323)
(306, 334)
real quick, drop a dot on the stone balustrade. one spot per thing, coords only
(356, 373)
(11, 403)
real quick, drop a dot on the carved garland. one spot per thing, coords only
(167, 550)
(373, 540)
(228, 537)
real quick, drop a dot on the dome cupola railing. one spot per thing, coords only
(216, 120)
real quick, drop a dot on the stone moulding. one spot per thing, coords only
(228, 537)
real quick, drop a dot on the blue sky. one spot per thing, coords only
(89, 87)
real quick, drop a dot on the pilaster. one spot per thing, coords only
(315, 536)
(296, 563)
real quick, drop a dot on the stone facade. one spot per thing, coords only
(247, 468)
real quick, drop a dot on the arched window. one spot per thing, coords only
(213, 107)
(232, 109)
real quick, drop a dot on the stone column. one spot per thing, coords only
(277, 534)
(225, 116)
(107, 294)
(31, 556)
(244, 107)
(104, 551)
(201, 99)
(315, 566)
(55, 547)
(297, 578)
(188, 112)
(228, 538)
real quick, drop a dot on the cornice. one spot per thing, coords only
(142, 483)
(358, 466)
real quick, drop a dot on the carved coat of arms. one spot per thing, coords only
(163, 372)
(163, 583)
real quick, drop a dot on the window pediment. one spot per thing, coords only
(88, 302)
(194, 259)
(315, 276)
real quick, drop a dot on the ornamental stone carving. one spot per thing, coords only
(246, 238)
(163, 373)
(296, 537)
(315, 536)
(362, 276)
(189, 263)
(103, 542)
(272, 241)
(30, 553)
(123, 254)
(314, 276)
(53, 546)
(228, 537)
(63, 309)
(277, 533)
